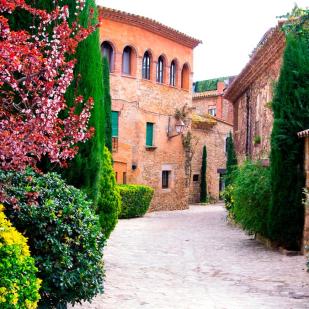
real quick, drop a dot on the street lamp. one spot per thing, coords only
(179, 128)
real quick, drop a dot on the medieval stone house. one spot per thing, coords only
(212, 118)
(152, 111)
(151, 78)
(251, 94)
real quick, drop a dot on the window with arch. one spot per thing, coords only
(173, 73)
(160, 70)
(129, 61)
(185, 77)
(146, 66)
(108, 52)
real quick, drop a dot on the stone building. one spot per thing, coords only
(151, 78)
(212, 118)
(251, 94)
(305, 135)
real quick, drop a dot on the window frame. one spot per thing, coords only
(150, 125)
(212, 108)
(160, 70)
(146, 66)
(127, 60)
(173, 72)
(113, 128)
(166, 179)
(107, 50)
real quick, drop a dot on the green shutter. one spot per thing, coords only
(114, 124)
(149, 134)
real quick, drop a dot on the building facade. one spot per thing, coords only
(151, 78)
(212, 117)
(251, 93)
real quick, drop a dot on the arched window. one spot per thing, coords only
(146, 66)
(173, 73)
(185, 77)
(160, 70)
(108, 52)
(127, 60)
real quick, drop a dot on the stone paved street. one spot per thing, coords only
(193, 259)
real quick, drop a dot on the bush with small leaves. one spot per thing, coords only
(64, 235)
(135, 200)
(19, 286)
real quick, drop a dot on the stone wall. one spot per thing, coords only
(139, 101)
(306, 223)
(251, 93)
(253, 117)
(215, 140)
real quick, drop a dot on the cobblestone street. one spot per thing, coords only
(194, 259)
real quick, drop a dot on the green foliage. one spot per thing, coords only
(203, 189)
(291, 115)
(135, 200)
(19, 287)
(231, 161)
(228, 199)
(64, 235)
(209, 84)
(257, 140)
(250, 196)
(297, 23)
(107, 105)
(109, 201)
(85, 170)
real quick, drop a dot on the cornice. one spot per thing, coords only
(148, 24)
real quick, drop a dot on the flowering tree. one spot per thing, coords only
(35, 71)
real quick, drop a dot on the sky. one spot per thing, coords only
(229, 29)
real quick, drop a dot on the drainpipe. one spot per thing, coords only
(248, 124)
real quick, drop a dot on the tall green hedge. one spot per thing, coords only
(85, 170)
(108, 199)
(107, 105)
(203, 192)
(135, 200)
(231, 160)
(291, 115)
(251, 192)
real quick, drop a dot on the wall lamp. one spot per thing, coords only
(179, 128)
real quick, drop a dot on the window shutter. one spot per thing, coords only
(149, 134)
(114, 124)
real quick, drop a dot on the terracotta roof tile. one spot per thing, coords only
(148, 24)
(304, 133)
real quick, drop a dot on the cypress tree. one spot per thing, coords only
(107, 105)
(203, 193)
(291, 115)
(84, 170)
(231, 161)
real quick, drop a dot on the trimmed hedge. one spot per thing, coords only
(250, 197)
(64, 235)
(135, 200)
(108, 200)
(19, 287)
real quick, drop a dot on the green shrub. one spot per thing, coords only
(291, 115)
(19, 287)
(251, 197)
(228, 199)
(64, 235)
(135, 200)
(108, 200)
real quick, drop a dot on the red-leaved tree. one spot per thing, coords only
(35, 72)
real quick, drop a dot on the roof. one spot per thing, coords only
(304, 133)
(148, 24)
(205, 94)
(209, 84)
(268, 50)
